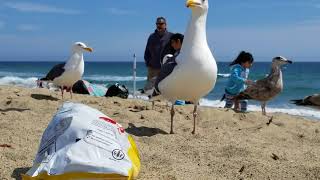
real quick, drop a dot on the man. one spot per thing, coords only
(152, 56)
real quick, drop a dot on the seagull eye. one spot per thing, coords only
(80, 45)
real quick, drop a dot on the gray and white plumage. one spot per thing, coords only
(64, 75)
(313, 100)
(267, 88)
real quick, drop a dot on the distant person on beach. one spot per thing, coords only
(238, 81)
(152, 56)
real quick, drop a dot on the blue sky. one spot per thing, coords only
(45, 29)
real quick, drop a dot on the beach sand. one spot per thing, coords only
(227, 145)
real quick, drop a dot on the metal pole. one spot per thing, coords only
(134, 74)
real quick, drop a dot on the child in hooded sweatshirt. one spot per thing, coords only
(238, 81)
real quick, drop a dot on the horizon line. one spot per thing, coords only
(15, 61)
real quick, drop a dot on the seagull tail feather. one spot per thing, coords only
(300, 102)
(223, 97)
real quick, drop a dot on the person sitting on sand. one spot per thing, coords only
(238, 80)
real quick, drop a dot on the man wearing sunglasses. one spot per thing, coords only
(155, 45)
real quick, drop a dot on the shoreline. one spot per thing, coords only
(227, 145)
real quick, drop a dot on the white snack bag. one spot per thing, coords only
(82, 143)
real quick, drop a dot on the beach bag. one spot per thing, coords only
(82, 143)
(118, 90)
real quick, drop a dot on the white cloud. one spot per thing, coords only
(117, 11)
(27, 27)
(39, 8)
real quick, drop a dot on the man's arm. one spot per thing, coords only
(147, 55)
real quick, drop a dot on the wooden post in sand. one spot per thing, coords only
(134, 74)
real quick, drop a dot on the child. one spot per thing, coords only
(238, 80)
(172, 48)
(169, 61)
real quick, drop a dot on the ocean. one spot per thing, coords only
(300, 79)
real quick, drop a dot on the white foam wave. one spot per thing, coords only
(224, 75)
(17, 81)
(20, 74)
(113, 78)
(292, 110)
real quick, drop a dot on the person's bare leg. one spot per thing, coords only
(236, 105)
(194, 117)
(172, 115)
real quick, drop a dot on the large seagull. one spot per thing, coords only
(66, 74)
(195, 74)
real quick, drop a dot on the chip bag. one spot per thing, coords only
(82, 143)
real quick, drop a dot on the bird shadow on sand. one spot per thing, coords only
(143, 131)
(18, 171)
(43, 97)
(14, 109)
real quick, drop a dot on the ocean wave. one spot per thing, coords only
(18, 81)
(223, 75)
(112, 78)
(292, 110)
(20, 74)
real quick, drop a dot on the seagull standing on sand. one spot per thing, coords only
(313, 100)
(195, 74)
(66, 74)
(267, 88)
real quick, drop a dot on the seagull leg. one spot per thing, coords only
(194, 117)
(153, 105)
(172, 114)
(62, 92)
(263, 107)
(71, 92)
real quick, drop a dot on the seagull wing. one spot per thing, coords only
(56, 71)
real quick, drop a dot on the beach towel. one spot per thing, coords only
(84, 87)
(82, 143)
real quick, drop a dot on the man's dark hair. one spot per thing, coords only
(161, 20)
(242, 58)
(177, 36)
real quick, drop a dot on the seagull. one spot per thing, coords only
(267, 88)
(195, 74)
(65, 75)
(313, 100)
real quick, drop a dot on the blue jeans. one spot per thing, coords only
(230, 102)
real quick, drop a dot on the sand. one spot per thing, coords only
(227, 145)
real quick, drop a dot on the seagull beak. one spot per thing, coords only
(288, 61)
(192, 3)
(88, 49)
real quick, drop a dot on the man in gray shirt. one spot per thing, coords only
(155, 45)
